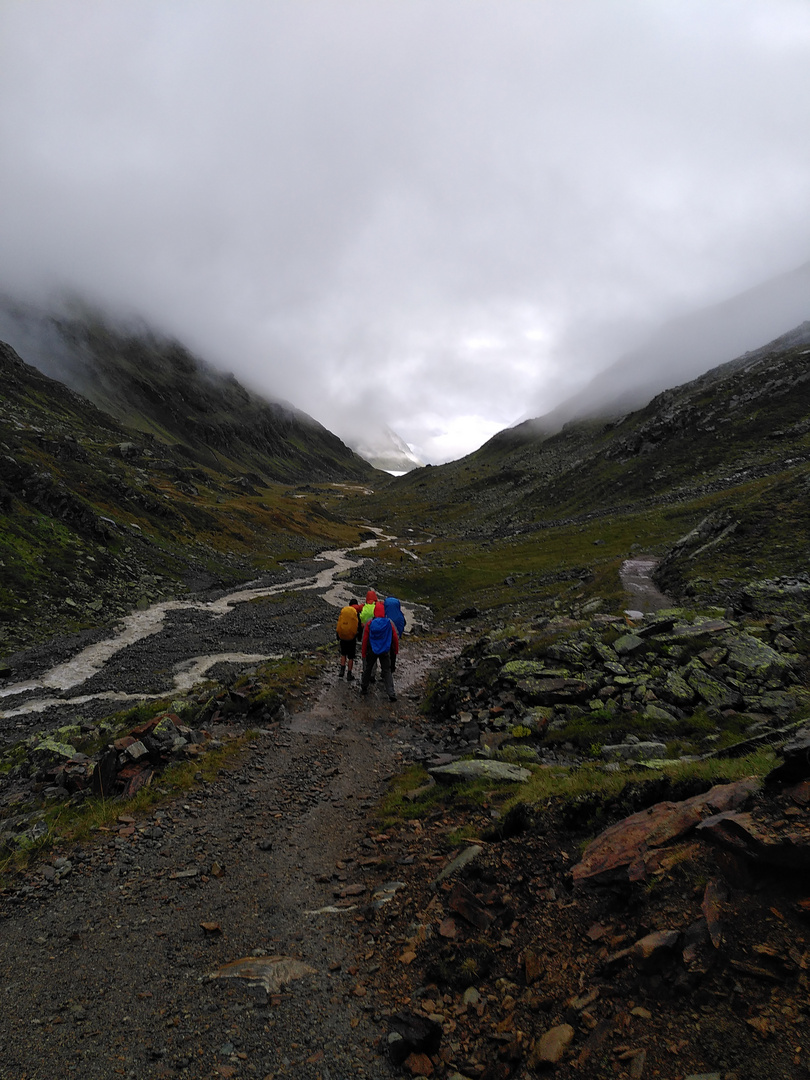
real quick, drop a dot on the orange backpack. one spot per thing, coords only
(347, 624)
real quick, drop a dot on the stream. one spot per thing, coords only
(140, 625)
(636, 575)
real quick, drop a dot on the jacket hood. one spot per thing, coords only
(371, 596)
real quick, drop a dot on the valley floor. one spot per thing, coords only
(267, 925)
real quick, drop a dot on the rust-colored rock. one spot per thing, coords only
(620, 853)
(133, 778)
(713, 897)
(469, 907)
(419, 1065)
(652, 950)
(758, 842)
(551, 1046)
(533, 966)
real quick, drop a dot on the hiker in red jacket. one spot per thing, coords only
(367, 610)
(380, 642)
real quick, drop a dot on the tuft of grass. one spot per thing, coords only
(472, 796)
(396, 807)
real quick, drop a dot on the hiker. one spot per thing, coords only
(367, 610)
(394, 612)
(348, 631)
(380, 642)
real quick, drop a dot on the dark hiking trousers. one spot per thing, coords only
(369, 664)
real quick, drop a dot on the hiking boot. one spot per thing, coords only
(363, 691)
(341, 672)
(392, 697)
(349, 676)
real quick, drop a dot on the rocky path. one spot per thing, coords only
(107, 953)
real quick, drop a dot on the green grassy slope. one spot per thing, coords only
(96, 518)
(557, 514)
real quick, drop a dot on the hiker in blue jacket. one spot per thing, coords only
(380, 642)
(393, 611)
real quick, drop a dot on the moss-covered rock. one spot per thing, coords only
(756, 660)
(710, 690)
(531, 669)
(677, 690)
(70, 733)
(518, 755)
(628, 644)
(50, 751)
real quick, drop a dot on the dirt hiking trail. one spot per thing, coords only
(107, 969)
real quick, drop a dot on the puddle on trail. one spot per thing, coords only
(142, 624)
(417, 657)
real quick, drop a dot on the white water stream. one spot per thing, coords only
(141, 624)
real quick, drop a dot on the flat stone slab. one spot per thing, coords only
(635, 751)
(475, 770)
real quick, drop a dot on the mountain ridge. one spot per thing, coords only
(96, 517)
(685, 347)
(732, 445)
(155, 385)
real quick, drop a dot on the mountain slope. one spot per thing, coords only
(686, 347)
(732, 447)
(154, 385)
(96, 518)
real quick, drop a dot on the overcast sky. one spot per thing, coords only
(439, 214)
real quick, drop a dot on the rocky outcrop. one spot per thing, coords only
(669, 677)
(114, 759)
(634, 848)
(40, 489)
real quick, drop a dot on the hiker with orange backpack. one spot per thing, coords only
(348, 631)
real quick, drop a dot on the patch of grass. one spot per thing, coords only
(396, 807)
(601, 728)
(463, 835)
(591, 779)
(580, 560)
(472, 795)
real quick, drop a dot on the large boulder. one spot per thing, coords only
(753, 659)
